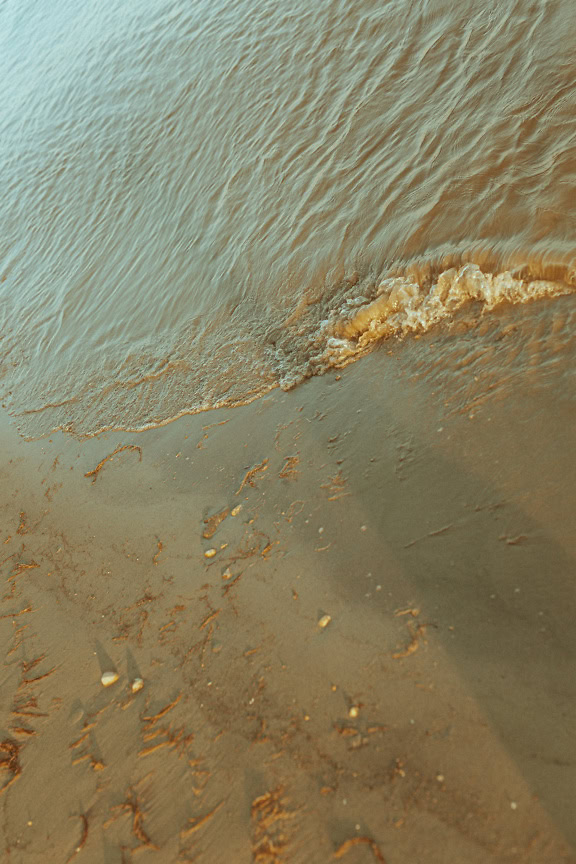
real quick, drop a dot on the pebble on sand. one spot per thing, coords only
(137, 684)
(324, 621)
(210, 553)
(109, 678)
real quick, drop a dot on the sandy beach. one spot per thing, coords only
(287, 432)
(341, 619)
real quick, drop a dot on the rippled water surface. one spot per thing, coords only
(202, 200)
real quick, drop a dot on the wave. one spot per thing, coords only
(402, 306)
(244, 352)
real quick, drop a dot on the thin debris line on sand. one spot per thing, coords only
(37, 714)
(289, 470)
(291, 512)
(21, 568)
(219, 423)
(83, 838)
(199, 445)
(95, 763)
(17, 637)
(152, 748)
(514, 541)
(95, 471)
(249, 476)
(84, 737)
(160, 549)
(412, 610)
(360, 841)
(282, 427)
(231, 584)
(251, 546)
(13, 555)
(197, 822)
(336, 486)
(203, 643)
(29, 665)
(176, 739)
(131, 805)
(24, 730)
(16, 614)
(39, 677)
(209, 618)
(416, 634)
(153, 718)
(416, 630)
(23, 710)
(266, 551)
(436, 533)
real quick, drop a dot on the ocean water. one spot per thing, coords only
(202, 201)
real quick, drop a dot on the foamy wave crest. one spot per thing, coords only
(237, 358)
(402, 306)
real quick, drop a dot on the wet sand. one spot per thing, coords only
(430, 721)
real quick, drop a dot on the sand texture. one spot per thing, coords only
(342, 621)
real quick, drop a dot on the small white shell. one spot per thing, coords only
(137, 684)
(109, 678)
(324, 621)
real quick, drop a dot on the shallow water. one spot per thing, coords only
(196, 195)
